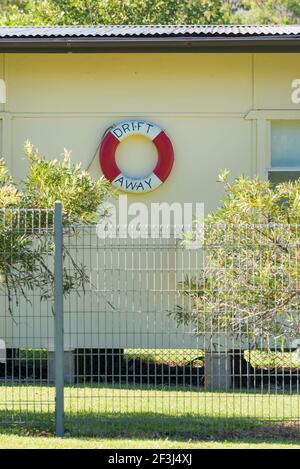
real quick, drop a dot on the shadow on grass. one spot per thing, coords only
(258, 390)
(151, 426)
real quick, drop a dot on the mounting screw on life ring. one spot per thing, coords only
(107, 155)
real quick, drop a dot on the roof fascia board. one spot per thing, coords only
(153, 44)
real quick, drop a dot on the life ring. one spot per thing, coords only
(107, 155)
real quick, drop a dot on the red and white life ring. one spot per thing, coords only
(117, 134)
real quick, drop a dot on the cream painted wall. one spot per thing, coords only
(273, 75)
(202, 146)
(201, 100)
(216, 108)
(129, 83)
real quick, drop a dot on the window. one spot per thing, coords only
(285, 151)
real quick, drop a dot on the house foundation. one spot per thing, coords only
(69, 367)
(218, 371)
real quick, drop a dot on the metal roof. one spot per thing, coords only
(147, 31)
(149, 37)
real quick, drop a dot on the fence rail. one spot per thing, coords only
(159, 336)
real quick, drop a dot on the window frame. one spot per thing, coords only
(263, 120)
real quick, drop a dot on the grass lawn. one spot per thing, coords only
(147, 413)
(182, 357)
(19, 442)
(126, 416)
(257, 358)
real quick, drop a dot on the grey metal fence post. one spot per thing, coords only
(59, 320)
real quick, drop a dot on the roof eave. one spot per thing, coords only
(153, 44)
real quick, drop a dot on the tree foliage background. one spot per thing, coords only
(84, 12)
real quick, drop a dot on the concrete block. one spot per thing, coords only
(217, 371)
(69, 367)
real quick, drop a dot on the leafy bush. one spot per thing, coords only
(249, 281)
(51, 180)
(26, 224)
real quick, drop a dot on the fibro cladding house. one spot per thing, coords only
(158, 110)
(223, 96)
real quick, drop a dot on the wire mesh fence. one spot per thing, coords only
(163, 337)
(26, 317)
(169, 338)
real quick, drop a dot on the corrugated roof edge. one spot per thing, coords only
(151, 38)
(148, 30)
